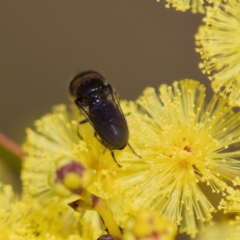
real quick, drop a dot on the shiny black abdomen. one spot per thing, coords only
(109, 123)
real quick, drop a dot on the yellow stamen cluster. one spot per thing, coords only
(196, 6)
(185, 141)
(28, 219)
(65, 161)
(218, 42)
(232, 202)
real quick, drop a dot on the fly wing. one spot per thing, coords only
(108, 120)
(113, 97)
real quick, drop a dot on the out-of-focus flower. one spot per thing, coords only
(218, 42)
(196, 6)
(223, 231)
(148, 225)
(186, 143)
(8, 205)
(232, 201)
(231, 204)
(29, 219)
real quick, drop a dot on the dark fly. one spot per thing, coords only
(100, 105)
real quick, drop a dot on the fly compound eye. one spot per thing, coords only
(83, 77)
(74, 84)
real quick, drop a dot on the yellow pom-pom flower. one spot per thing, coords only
(186, 143)
(66, 162)
(218, 42)
(29, 219)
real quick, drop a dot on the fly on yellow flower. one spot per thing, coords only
(66, 162)
(185, 141)
(64, 156)
(218, 42)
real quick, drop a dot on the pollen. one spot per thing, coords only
(186, 142)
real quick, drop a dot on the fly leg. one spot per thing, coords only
(133, 150)
(79, 123)
(127, 114)
(83, 121)
(112, 153)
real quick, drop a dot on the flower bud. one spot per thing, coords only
(70, 177)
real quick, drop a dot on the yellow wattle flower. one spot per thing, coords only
(186, 143)
(27, 219)
(218, 43)
(65, 160)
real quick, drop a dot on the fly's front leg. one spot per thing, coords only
(98, 138)
(83, 121)
(79, 123)
(112, 153)
(133, 150)
(113, 156)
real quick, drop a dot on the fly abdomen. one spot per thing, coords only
(110, 124)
